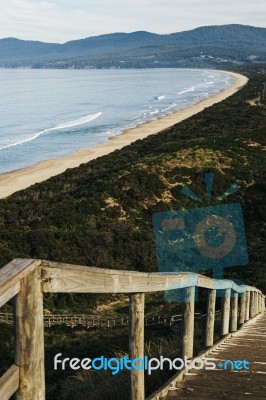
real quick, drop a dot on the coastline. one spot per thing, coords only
(11, 182)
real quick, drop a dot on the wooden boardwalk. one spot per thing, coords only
(247, 344)
(26, 280)
(94, 321)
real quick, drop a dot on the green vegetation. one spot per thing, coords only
(207, 46)
(100, 215)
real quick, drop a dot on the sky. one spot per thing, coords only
(59, 21)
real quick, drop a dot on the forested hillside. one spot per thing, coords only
(205, 46)
(100, 214)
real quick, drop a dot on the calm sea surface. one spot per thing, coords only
(48, 114)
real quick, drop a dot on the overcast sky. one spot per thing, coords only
(63, 20)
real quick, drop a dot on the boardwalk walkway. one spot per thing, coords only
(27, 280)
(247, 344)
(94, 321)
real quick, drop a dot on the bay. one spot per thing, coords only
(46, 114)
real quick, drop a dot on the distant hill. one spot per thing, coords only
(210, 45)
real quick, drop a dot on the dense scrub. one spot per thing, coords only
(100, 213)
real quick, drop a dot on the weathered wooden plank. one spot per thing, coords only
(252, 305)
(16, 269)
(259, 302)
(9, 382)
(22, 278)
(252, 288)
(247, 315)
(10, 276)
(167, 390)
(8, 293)
(188, 322)
(218, 384)
(222, 284)
(210, 317)
(263, 303)
(59, 277)
(242, 309)
(233, 315)
(77, 279)
(29, 339)
(136, 343)
(225, 312)
(255, 303)
(219, 284)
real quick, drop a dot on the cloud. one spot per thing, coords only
(62, 20)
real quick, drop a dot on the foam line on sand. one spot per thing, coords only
(13, 181)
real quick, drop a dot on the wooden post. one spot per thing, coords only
(257, 303)
(210, 317)
(233, 315)
(29, 339)
(252, 307)
(247, 306)
(136, 343)
(225, 312)
(242, 308)
(254, 304)
(188, 322)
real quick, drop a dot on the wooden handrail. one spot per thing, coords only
(9, 382)
(27, 280)
(11, 276)
(68, 278)
(91, 321)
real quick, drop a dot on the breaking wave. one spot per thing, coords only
(65, 125)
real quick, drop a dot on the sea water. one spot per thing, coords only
(46, 114)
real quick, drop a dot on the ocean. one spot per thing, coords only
(46, 114)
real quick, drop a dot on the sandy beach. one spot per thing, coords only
(11, 182)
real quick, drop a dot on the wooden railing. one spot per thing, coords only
(27, 280)
(93, 321)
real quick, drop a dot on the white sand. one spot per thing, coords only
(11, 182)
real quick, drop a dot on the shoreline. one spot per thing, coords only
(11, 182)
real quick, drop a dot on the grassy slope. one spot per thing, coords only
(100, 213)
